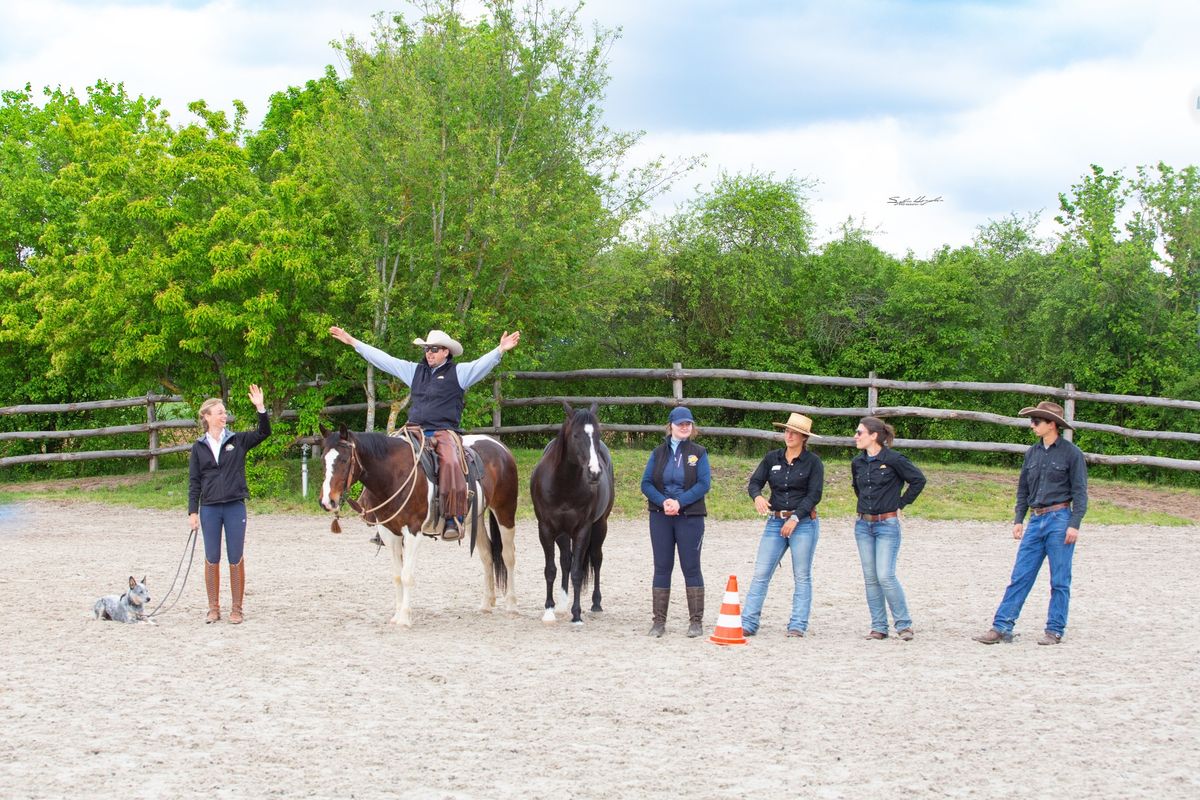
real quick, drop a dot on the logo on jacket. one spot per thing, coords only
(228, 448)
(692, 460)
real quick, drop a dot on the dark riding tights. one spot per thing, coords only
(231, 517)
(667, 534)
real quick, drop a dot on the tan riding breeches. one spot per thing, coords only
(452, 482)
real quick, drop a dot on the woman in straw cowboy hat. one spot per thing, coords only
(676, 479)
(795, 476)
(878, 473)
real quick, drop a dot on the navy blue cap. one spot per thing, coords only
(680, 414)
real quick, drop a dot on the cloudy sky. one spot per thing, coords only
(994, 107)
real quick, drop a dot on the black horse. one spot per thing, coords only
(572, 488)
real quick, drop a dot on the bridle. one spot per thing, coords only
(356, 464)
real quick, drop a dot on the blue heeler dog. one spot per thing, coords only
(129, 607)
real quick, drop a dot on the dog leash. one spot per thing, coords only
(190, 558)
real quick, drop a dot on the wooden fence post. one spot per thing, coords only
(872, 394)
(151, 418)
(1069, 411)
(496, 403)
(677, 384)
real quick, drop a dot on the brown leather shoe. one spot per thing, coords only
(795, 634)
(993, 636)
(875, 635)
(1050, 637)
(451, 533)
(906, 635)
(237, 588)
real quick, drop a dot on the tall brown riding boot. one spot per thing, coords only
(661, 599)
(212, 582)
(237, 586)
(695, 598)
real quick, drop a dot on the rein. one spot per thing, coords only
(191, 541)
(410, 482)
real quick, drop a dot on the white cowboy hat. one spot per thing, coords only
(798, 423)
(441, 338)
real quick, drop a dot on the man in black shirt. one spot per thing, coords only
(1053, 485)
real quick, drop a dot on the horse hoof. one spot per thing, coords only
(576, 624)
(597, 610)
(549, 617)
(402, 622)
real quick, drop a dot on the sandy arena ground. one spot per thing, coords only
(316, 695)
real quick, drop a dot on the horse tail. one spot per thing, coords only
(496, 544)
(581, 561)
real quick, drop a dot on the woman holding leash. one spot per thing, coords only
(217, 495)
(878, 473)
(676, 479)
(796, 477)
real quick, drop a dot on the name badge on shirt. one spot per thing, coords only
(776, 467)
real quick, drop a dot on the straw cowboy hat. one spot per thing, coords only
(441, 338)
(798, 423)
(1046, 410)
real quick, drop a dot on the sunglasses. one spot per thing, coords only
(860, 432)
(434, 348)
(1034, 422)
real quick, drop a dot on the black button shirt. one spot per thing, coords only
(877, 481)
(795, 486)
(1053, 475)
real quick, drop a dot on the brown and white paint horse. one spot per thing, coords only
(396, 496)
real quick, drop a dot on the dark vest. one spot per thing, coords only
(661, 456)
(437, 399)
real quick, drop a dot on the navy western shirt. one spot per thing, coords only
(795, 486)
(1053, 475)
(877, 481)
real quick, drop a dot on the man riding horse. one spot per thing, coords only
(438, 385)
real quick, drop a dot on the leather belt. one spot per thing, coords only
(1048, 509)
(878, 517)
(785, 514)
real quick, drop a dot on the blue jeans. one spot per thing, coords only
(231, 517)
(878, 547)
(771, 547)
(1043, 539)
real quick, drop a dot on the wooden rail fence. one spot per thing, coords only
(676, 376)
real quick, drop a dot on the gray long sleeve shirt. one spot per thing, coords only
(1053, 475)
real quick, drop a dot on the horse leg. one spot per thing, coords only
(548, 549)
(483, 545)
(508, 536)
(564, 560)
(404, 580)
(395, 543)
(596, 556)
(578, 573)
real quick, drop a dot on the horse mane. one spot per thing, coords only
(376, 445)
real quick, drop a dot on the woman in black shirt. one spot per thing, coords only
(217, 495)
(795, 476)
(878, 473)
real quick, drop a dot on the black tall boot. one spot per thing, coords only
(695, 598)
(662, 599)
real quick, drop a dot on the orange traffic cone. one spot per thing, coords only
(729, 622)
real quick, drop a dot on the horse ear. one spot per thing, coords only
(132, 582)
(567, 408)
(344, 431)
(593, 408)
(324, 431)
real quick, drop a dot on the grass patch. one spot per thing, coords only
(954, 492)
